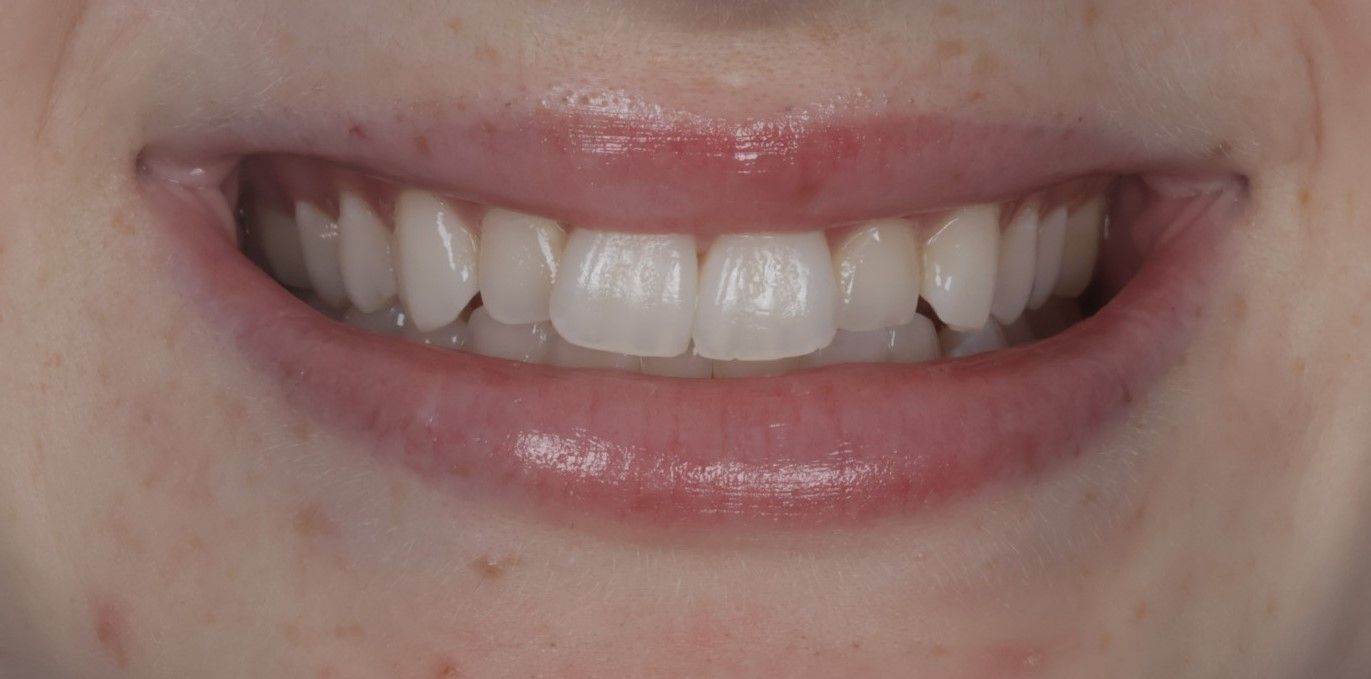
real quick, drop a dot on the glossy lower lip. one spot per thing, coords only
(840, 443)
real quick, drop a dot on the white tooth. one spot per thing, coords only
(960, 260)
(454, 335)
(740, 369)
(766, 297)
(435, 255)
(627, 293)
(1081, 248)
(364, 254)
(870, 346)
(1051, 234)
(389, 320)
(915, 342)
(1054, 317)
(687, 365)
(1018, 258)
(878, 276)
(279, 239)
(319, 247)
(519, 257)
(1019, 332)
(567, 355)
(960, 344)
(527, 342)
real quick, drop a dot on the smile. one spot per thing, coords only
(692, 322)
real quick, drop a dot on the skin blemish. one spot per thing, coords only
(492, 568)
(356, 131)
(312, 523)
(353, 631)
(421, 145)
(986, 66)
(455, 25)
(1140, 611)
(1091, 15)
(446, 668)
(951, 49)
(487, 54)
(110, 622)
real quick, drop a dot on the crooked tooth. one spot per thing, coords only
(1051, 237)
(279, 240)
(519, 259)
(1081, 248)
(527, 342)
(389, 320)
(915, 342)
(364, 254)
(567, 355)
(688, 365)
(1018, 258)
(741, 369)
(878, 276)
(627, 293)
(435, 257)
(870, 346)
(959, 266)
(765, 297)
(957, 344)
(319, 247)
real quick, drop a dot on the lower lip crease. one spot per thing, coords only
(848, 442)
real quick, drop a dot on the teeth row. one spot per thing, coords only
(587, 295)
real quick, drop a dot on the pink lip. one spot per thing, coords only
(846, 442)
(652, 170)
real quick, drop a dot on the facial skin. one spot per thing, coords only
(164, 512)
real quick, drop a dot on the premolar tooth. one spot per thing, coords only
(435, 259)
(915, 342)
(527, 343)
(519, 259)
(960, 260)
(1051, 234)
(279, 239)
(766, 297)
(1018, 258)
(567, 355)
(389, 320)
(870, 346)
(960, 344)
(627, 293)
(364, 254)
(878, 276)
(740, 369)
(687, 365)
(1081, 248)
(319, 247)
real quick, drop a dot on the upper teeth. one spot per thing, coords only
(748, 305)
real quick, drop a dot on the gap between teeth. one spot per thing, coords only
(751, 304)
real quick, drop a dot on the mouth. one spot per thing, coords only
(669, 320)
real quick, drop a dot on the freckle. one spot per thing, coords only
(54, 360)
(455, 24)
(948, 9)
(312, 522)
(421, 143)
(951, 49)
(986, 65)
(446, 669)
(1106, 640)
(939, 650)
(1090, 497)
(487, 54)
(1092, 15)
(492, 568)
(121, 225)
(352, 631)
(1299, 366)
(111, 631)
(1140, 611)
(1305, 197)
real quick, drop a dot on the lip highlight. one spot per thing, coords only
(846, 442)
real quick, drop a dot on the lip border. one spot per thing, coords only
(590, 446)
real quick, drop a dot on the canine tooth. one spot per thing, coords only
(567, 355)
(687, 365)
(870, 346)
(1051, 237)
(1018, 258)
(766, 297)
(279, 239)
(519, 258)
(389, 320)
(627, 293)
(364, 254)
(960, 344)
(1081, 248)
(915, 342)
(454, 335)
(319, 247)
(435, 259)
(526, 342)
(960, 260)
(740, 369)
(878, 276)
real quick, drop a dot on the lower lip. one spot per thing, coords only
(843, 443)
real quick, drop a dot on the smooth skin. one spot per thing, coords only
(163, 513)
